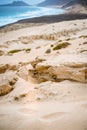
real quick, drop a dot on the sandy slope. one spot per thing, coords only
(46, 87)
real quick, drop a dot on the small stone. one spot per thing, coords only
(48, 51)
(40, 97)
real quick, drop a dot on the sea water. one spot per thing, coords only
(12, 14)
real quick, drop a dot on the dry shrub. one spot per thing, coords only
(61, 45)
(83, 36)
(84, 43)
(68, 39)
(60, 41)
(14, 51)
(83, 51)
(28, 50)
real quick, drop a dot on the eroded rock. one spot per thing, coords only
(7, 82)
(71, 71)
(5, 89)
(4, 68)
(23, 73)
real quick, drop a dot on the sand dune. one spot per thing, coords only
(43, 77)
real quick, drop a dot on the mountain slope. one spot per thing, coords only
(63, 2)
(76, 2)
(53, 2)
(16, 3)
(82, 2)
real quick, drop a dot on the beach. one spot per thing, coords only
(43, 73)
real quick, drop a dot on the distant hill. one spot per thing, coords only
(16, 3)
(53, 2)
(76, 2)
(82, 2)
(65, 3)
(71, 3)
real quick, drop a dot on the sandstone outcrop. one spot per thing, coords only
(7, 82)
(72, 71)
(23, 73)
(4, 68)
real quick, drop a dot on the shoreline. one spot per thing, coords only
(32, 12)
(37, 21)
(73, 13)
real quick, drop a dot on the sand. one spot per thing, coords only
(43, 88)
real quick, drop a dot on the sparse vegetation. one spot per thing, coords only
(60, 41)
(83, 36)
(84, 43)
(68, 39)
(61, 45)
(83, 51)
(28, 50)
(14, 51)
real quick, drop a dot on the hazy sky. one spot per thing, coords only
(28, 1)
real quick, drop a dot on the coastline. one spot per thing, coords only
(15, 14)
(37, 21)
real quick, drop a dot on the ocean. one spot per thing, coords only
(12, 14)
